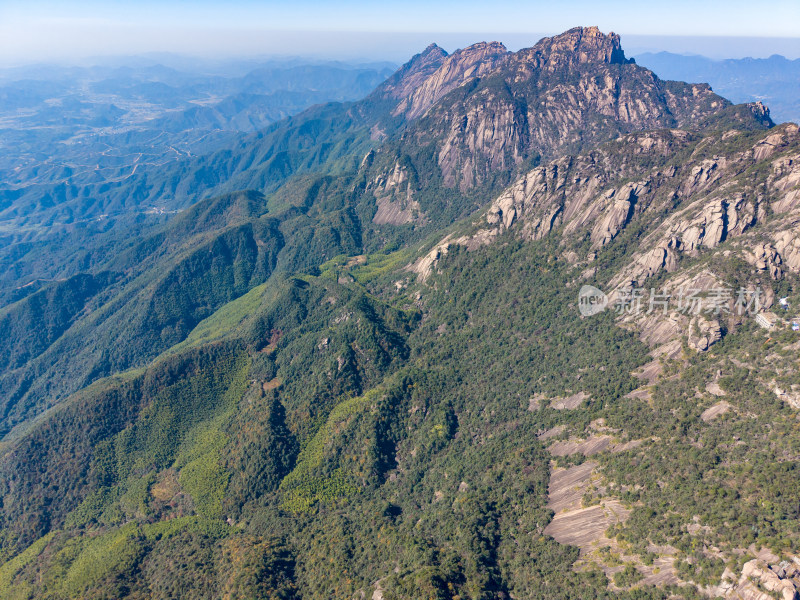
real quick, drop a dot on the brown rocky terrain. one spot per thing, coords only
(394, 197)
(760, 580)
(458, 68)
(412, 75)
(586, 526)
(492, 110)
(691, 199)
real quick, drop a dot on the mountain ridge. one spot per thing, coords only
(488, 118)
(372, 377)
(204, 175)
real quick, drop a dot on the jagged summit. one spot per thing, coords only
(412, 74)
(490, 110)
(578, 45)
(432, 74)
(433, 47)
(474, 61)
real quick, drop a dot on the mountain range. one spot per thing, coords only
(348, 355)
(774, 80)
(72, 126)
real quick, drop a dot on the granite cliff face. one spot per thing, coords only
(457, 69)
(718, 194)
(579, 45)
(490, 112)
(686, 209)
(412, 75)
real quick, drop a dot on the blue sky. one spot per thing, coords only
(37, 29)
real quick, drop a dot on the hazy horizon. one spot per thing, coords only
(39, 31)
(397, 48)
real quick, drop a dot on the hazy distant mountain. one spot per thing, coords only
(775, 80)
(75, 125)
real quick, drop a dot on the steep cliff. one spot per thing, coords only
(489, 112)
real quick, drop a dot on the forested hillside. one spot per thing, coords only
(357, 364)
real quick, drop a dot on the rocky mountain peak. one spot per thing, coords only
(432, 74)
(579, 45)
(458, 68)
(412, 74)
(566, 92)
(760, 110)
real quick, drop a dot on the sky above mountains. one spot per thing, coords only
(33, 30)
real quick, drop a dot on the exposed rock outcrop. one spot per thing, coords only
(394, 197)
(579, 45)
(412, 75)
(455, 70)
(787, 247)
(704, 333)
(760, 581)
(711, 413)
(425, 264)
(568, 192)
(618, 213)
(487, 139)
(492, 110)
